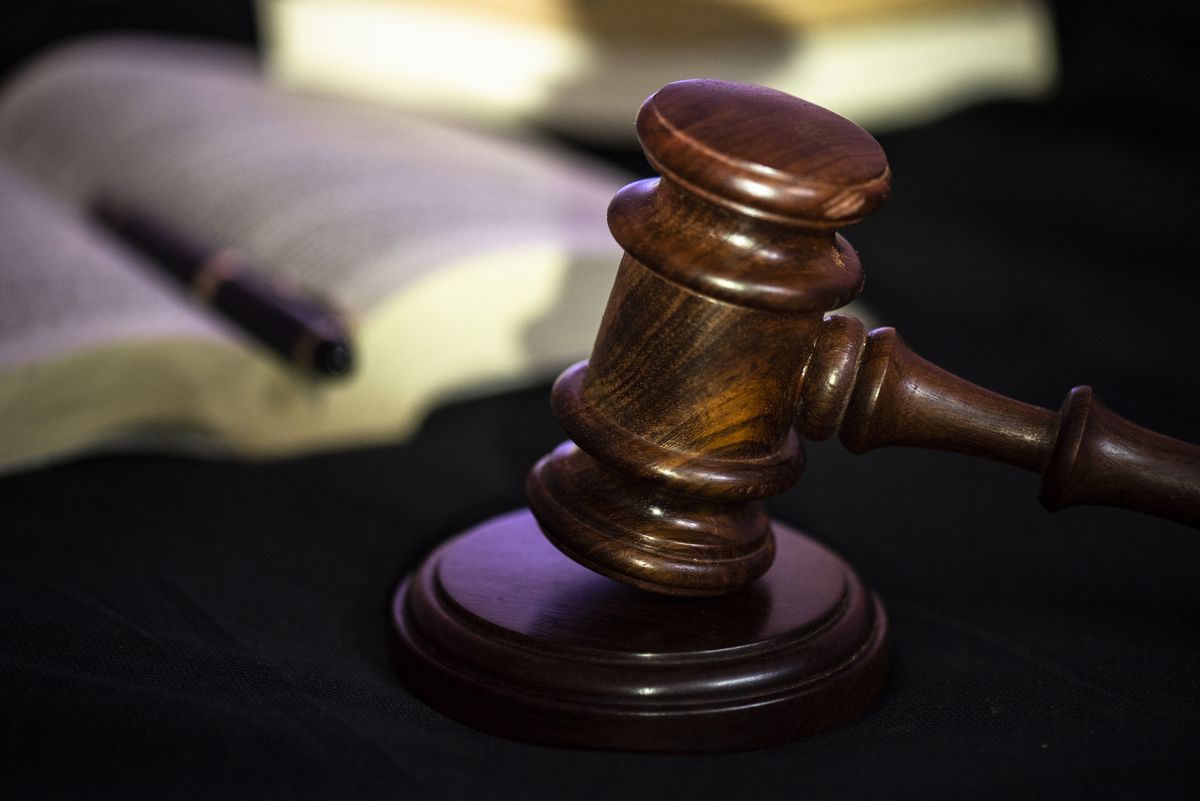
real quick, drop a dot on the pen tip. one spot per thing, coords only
(333, 358)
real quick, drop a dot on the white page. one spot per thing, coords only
(65, 286)
(351, 201)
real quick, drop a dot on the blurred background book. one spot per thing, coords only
(356, 145)
(579, 67)
(464, 264)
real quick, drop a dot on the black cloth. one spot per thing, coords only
(181, 629)
(173, 628)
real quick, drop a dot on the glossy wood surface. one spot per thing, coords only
(871, 391)
(714, 358)
(763, 153)
(714, 353)
(683, 417)
(1101, 458)
(501, 631)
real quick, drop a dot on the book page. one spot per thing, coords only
(348, 200)
(65, 287)
(581, 67)
(465, 263)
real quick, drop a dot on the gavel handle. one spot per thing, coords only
(871, 391)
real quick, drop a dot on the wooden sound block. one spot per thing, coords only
(501, 631)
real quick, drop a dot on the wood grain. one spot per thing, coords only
(501, 631)
(683, 417)
(872, 391)
(714, 352)
(713, 359)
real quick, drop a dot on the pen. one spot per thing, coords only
(298, 328)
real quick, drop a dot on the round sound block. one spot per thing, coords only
(502, 632)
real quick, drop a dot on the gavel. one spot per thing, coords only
(714, 359)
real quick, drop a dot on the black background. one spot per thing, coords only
(174, 628)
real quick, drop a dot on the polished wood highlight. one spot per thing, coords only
(714, 355)
(683, 418)
(501, 631)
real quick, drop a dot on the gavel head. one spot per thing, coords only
(682, 420)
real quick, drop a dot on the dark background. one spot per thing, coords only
(177, 628)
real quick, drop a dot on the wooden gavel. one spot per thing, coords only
(713, 360)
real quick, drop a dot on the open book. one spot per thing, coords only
(579, 66)
(462, 262)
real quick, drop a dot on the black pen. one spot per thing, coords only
(300, 329)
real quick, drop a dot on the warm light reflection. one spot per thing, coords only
(754, 188)
(492, 61)
(740, 241)
(727, 283)
(479, 59)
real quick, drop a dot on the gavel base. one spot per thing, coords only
(499, 630)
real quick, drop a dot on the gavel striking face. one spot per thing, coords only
(713, 358)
